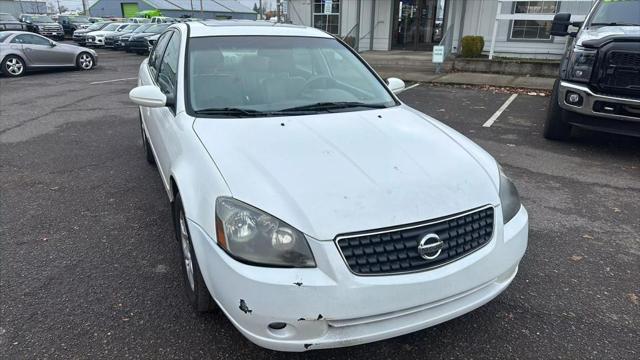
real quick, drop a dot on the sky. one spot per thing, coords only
(77, 4)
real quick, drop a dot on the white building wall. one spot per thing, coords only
(479, 16)
(301, 12)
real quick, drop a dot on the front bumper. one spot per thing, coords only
(98, 42)
(596, 104)
(53, 34)
(328, 306)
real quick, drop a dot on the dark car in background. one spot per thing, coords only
(80, 36)
(43, 25)
(599, 83)
(9, 22)
(71, 23)
(139, 43)
(111, 40)
(122, 42)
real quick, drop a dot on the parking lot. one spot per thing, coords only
(89, 267)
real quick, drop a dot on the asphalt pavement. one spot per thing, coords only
(89, 267)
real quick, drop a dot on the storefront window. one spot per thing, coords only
(326, 15)
(533, 29)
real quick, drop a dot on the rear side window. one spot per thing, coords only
(167, 77)
(28, 39)
(156, 54)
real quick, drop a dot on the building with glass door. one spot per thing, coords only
(522, 26)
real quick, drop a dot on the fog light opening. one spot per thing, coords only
(573, 98)
(277, 325)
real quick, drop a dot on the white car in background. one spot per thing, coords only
(311, 205)
(96, 38)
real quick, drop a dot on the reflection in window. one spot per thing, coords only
(533, 29)
(326, 15)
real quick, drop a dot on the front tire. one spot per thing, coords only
(13, 66)
(85, 61)
(556, 126)
(197, 292)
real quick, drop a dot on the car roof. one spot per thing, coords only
(250, 27)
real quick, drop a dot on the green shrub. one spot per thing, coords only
(472, 46)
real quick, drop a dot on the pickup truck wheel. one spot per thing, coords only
(556, 127)
(13, 66)
(145, 144)
(85, 61)
(196, 289)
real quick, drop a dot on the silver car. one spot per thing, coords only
(21, 51)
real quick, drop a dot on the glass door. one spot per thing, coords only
(414, 24)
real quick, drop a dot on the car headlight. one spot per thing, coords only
(509, 198)
(253, 236)
(581, 64)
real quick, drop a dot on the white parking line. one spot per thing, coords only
(407, 88)
(108, 81)
(502, 108)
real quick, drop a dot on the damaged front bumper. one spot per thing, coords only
(328, 306)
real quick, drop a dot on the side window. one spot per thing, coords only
(28, 39)
(168, 74)
(156, 54)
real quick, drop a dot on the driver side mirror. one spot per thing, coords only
(52, 43)
(395, 85)
(149, 96)
(560, 25)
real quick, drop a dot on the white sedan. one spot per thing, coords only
(312, 206)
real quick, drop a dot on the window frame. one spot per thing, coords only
(151, 62)
(314, 13)
(551, 38)
(176, 35)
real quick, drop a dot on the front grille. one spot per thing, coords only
(621, 72)
(396, 250)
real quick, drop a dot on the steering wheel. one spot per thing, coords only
(315, 80)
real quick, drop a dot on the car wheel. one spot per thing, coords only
(196, 289)
(556, 126)
(13, 65)
(145, 144)
(85, 61)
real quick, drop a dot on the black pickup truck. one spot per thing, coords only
(8, 22)
(599, 83)
(43, 25)
(71, 23)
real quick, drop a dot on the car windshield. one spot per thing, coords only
(79, 19)
(276, 75)
(616, 13)
(142, 28)
(111, 27)
(97, 26)
(7, 17)
(41, 19)
(131, 27)
(157, 28)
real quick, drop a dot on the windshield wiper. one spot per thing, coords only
(612, 24)
(230, 111)
(326, 106)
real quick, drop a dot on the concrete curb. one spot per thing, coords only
(465, 78)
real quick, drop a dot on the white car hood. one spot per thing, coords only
(100, 33)
(330, 174)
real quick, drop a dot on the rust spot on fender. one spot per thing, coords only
(243, 306)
